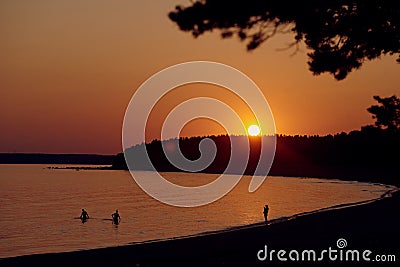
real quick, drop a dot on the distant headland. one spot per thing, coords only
(43, 158)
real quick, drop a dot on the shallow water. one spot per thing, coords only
(38, 207)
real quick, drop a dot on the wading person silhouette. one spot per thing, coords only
(116, 218)
(266, 210)
(84, 216)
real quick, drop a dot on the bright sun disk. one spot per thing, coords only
(254, 130)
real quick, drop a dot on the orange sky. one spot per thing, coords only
(69, 68)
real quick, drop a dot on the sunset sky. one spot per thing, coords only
(69, 68)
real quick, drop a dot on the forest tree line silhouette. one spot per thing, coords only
(359, 155)
(369, 154)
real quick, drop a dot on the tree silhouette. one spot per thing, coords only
(342, 34)
(387, 114)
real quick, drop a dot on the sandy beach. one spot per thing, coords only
(370, 226)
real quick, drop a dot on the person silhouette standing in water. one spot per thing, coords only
(116, 218)
(84, 216)
(266, 210)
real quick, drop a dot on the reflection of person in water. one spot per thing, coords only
(84, 216)
(115, 217)
(266, 210)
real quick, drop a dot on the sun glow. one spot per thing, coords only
(254, 130)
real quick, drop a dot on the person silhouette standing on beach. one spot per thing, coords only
(266, 210)
(116, 218)
(84, 216)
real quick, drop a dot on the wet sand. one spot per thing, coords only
(372, 225)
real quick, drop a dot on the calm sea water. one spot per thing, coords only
(38, 207)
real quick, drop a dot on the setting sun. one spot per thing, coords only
(254, 130)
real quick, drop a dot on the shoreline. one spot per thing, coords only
(371, 224)
(388, 193)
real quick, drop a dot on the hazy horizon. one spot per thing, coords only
(166, 140)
